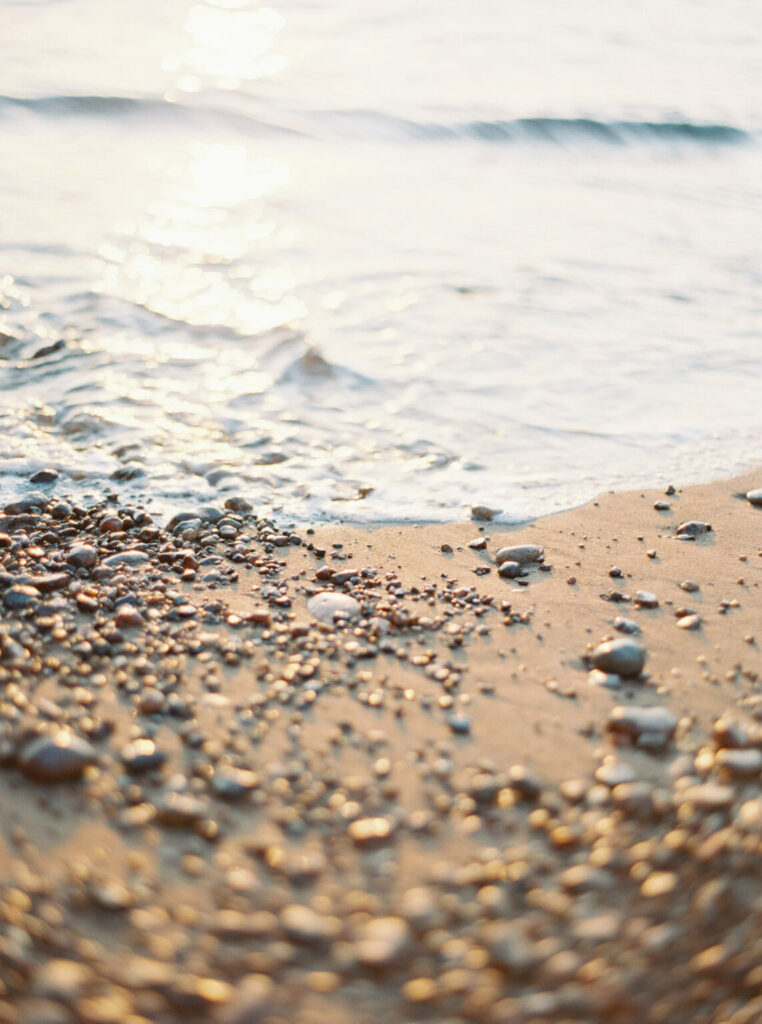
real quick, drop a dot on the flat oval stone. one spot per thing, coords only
(709, 796)
(741, 764)
(56, 757)
(32, 500)
(755, 497)
(614, 773)
(625, 625)
(131, 557)
(521, 553)
(621, 657)
(691, 621)
(328, 605)
(635, 720)
(231, 783)
(509, 570)
(693, 528)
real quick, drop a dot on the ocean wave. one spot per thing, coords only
(224, 111)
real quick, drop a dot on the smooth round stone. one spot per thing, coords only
(693, 528)
(56, 757)
(689, 586)
(614, 773)
(44, 476)
(459, 724)
(521, 553)
(305, 925)
(636, 721)
(368, 831)
(20, 596)
(645, 599)
(82, 556)
(755, 497)
(689, 622)
(328, 606)
(131, 557)
(181, 809)
(509, 570)
(622, 657)
(250, 1003)
(749, 816)
(142, 755)
(238, 504)
(382, 941)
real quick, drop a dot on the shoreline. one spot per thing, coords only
(427, 811)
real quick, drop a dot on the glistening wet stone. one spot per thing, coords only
(620, 657)
(329, 605)
(57, 757)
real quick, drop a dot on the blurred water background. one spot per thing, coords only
(379, 260)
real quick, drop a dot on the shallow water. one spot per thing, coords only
(379, 261)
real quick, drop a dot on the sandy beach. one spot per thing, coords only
(453, 773)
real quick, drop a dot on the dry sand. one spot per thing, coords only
(393, 818)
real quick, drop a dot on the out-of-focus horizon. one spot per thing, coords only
(426, 257)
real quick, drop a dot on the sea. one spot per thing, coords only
(379, 261)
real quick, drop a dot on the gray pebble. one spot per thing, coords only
(509, 570)
(645, 599)
(20, 596)
(635, 720)
(56, 757)
(30, 501)
(382, 941)
(142, 755)
(131, 557)
(44, 476)
(622, 657)
(693, 528)
(755, 497)
(624, 625)
(521, 553)
(608, 679)
(82, 556)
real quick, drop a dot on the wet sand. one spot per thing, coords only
(215, 806)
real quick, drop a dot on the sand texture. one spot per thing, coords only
(220, 803)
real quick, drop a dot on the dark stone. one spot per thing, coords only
(57, 757)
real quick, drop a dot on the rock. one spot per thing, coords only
(522, 781)
(694, 528)
(613, 773)
(128, 617)
(635, 721)
(231, 783)
(370, 831)
(740, 764)
(327, 606)
(662, 506)
(621, 657)
(82, 556)
(382, 941)
(645, 599)
(510, 948)
(142, 755)
(709, 796)
(608, 679)
(30, 502)
(51, 581)
(131, 558)
(509, 570)
(56, 757)
(44, 476)
(521, 553)
(755, 497)
(478, 544)
(21, 596)
(691, 621)
(181, 809)
(483, 512)
(624, 625)
(689, 586)
(459, 724)
(238, 504)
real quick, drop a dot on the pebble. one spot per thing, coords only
(459, 724)
(741, 764)
(622, 657)
(382, 941)
(131, 558)
(625, 625)
(478, 544)
(21, 596)
(645, 599)
(181, 809)
(521, 553)
(56, 757)
(142, 755)
(305, 925)
(662, 506)
(30, 501)
(613, 773)
(509, 570)
(693, 528)
(369, 831)
(691, 621)
(44, 476)
(608, 679)
(709, 796)
(689, 586)
(636, 721)
(82, 556)
(484, 512)
(231, 783)
(755, 497)
(329, 605)
(250, 1002)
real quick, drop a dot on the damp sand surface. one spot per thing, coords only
(456, 802)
